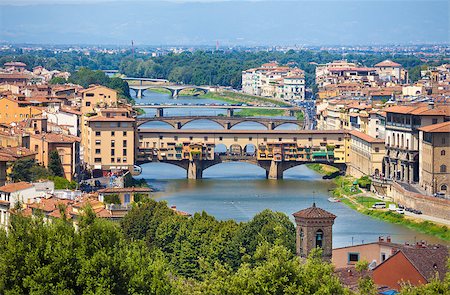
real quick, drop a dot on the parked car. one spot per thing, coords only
(439, 195)
(400, 211)
(379, 205)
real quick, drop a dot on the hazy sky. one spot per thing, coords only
(304, 22)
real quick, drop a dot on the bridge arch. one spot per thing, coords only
(187, 122)
(252, 169)
(159, 124)
(235, 125)
(287, 125)
(250, 149)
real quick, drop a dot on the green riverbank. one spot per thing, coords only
(352, 196)
(237, 98)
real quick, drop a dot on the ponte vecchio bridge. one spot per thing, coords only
(273, 150)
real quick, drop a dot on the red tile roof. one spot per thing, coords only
(388, 63)
(366, 137)
(314, 212)
(14, 187)
(110, 119)
(437, 128)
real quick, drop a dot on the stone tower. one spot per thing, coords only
(314, 229)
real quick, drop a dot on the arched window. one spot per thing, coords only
(443, 168)
(444, 187)
(443, 153)
(319, 238)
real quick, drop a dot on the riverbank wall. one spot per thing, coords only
(432, 206)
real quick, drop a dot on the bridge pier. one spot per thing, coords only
(159, 112)
(195, 170)
(291, 113)
(270, 126)
(230, 112)
(140, 91)
(174, 93)
(275, 171)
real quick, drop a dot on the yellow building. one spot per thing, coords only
(434, 163)
(97, 96)
(14, 110)
(366, 155)
(108, 140)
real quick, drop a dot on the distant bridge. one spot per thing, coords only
(273, 150)
(230, 108)
(174, 89)
(227, 123)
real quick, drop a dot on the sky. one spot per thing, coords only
(238, 22)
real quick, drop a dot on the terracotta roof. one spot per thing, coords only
(437, 128)
(388, 63)
(14, 187)
(53, 137)
(420, 110)
(110, 119)
(428, 260)
(314, 212)
(50, 204)
(15, 64)
(13, 76)
(6, 158)
(366, 137)
(125, 190)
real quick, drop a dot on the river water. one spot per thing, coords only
(240, 190)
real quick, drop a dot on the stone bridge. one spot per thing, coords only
(273, 150)
(227, 123)
(174, 89)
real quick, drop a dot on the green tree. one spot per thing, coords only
(57, 80)
(55, 165)
(366, 286)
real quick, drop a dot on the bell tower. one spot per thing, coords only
(314, 229)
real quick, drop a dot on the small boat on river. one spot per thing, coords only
(333, 200)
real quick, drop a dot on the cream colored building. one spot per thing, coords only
(97, 96)
(391, 71)
(108, 140)
(366, 155)
(434, 158)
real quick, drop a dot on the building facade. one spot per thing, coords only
(434, 163)
(366, 155)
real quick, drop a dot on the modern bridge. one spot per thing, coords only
(273, 150)
(230, 108)
(227, 123)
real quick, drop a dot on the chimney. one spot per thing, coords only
(380, 239)
(431, 105)
(388, 239)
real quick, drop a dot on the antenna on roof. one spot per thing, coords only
(314, 198)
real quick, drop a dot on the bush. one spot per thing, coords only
(62, 183)
(111, 199)
(364, 182)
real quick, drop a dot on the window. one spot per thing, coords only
(324, 139)
(97, 133)
(124, 152)
(206, 138)
(112, 160)
(434, 121)
(113, 152)
(119, 160)
(124, 143)
(280, 139)
(443, 168)
(443, 187)
(113, 133)
(97, 151)
(124, 133)
(377, 150)
(265, 138)
(88, 103)
(126, 198)
(97, 160)
(124, 159)
(175, 138)
(250, 138)
(220, 138)
(36, 148)
(353, 257)
(161, 137)
(113, 143)
(319, 238)
(383, 257)
(97, 142)
(190, 138)
(443, 140)
(443, 153)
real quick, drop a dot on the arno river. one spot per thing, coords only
(239, 190)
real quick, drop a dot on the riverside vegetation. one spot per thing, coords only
(350, 194)
(154, 251)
